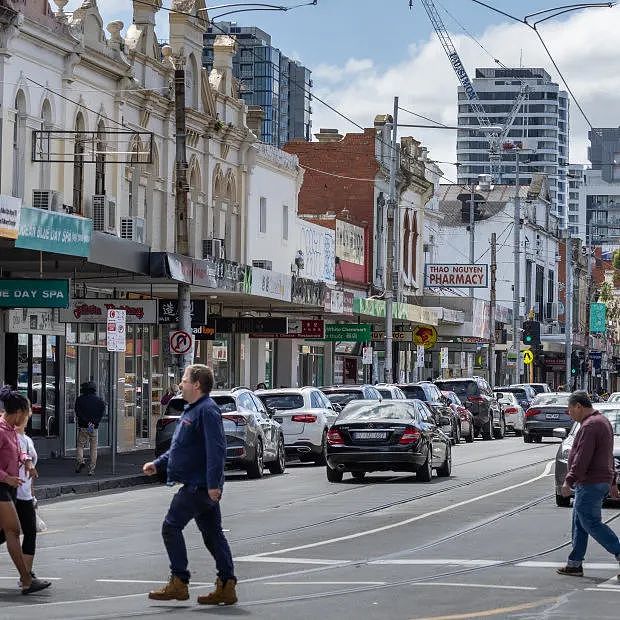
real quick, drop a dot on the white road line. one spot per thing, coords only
(587, 565)
(194, 583)
(324, 583)
(271, 559)
(489, 586)
(16, 578)
(432, 562)
(617, 590)
(426, 515)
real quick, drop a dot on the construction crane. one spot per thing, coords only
(495, 134)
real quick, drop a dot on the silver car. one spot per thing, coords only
(612, 411)
(548, 411)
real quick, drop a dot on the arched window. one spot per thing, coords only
(19, 144)
(78, 166)
(191, 89)
(44, 145)
(406, 241)
(414, 246)
(100, 160)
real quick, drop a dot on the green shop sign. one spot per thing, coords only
(348, 332)
(598, 318)
(34, 293)
(49, 231)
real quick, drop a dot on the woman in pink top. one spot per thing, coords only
(16, 410)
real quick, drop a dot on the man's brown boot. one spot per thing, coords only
(174, 590)
(224, 594)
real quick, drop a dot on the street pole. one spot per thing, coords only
(585, 382)
(568, 310)
(493, 301)
(182, 227)
(391, 282)
(472, 223)
(516, 302)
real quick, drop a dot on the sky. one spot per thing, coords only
(362, 53)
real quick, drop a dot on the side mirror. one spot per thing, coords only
(336, 407)
(560, 433)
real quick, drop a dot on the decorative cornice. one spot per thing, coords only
(277, 157)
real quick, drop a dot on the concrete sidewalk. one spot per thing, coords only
(57, 476)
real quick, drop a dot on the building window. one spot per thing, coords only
(19, 145)
(78, 166)
(285, 222)
(100, 161)
(262, 216)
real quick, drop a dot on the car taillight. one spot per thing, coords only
(239, 420)
(475, 399)
(530, 413)
(462, 412)
(306, 418)
(411, 435)
(163, 422)
(510, 410)
(334, 438)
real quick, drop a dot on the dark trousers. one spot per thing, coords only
(28, 522)
(194, 503)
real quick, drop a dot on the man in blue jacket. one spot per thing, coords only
(196, 460)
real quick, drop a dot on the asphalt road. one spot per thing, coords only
(483, 543)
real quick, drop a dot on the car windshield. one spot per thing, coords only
(452, 397)
(175, 406)
(361, 412)
(344, 397)
(614, 398)
(506, 397)
(520, 394)
(282, 402)
(460, 388)
(551, 399)
(613, 415)
(385, 393)
(413, 391)
(225, 403)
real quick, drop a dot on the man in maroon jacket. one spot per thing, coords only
(592, 475)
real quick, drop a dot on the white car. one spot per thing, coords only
(614, 398)
(513, 412)
(390, 392)
(305, 415)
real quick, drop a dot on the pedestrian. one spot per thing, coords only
(261, 386)
(196, 460)
(89, 409)
(16, 412)
(592, 475)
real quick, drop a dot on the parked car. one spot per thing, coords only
(524, 393)
(305, 415)
(253, 439)
(465, 416)
(614, 397)
(513, 412)
(539, 388)
(430, 394)
(387, 436)
(477, 396)
(390, 392)
(342, 395)
(612, 412)
(548, 411)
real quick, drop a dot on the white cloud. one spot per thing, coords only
(584, 46)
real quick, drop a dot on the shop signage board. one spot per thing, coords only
(349, 242)
(168, 311)
(25, 293)
(598, 318)
(252, 325)
(419, 361)
(42, 321)
(444, 357)
(445, 275)
(219, 352)
(348, 332)
(338, 302)
(318, 245)
(397, 336)
(403, 312)
(204, 332)
(94, 310)
(10, 211)
(266, 283)
(425, 335)
(116, 330)
(49, 231)
(308, 292)
(298, 328)
(367, 356)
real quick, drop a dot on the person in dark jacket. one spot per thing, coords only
(89, 409)
(196, 460)
(592, 474)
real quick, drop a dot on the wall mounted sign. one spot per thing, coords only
(456, 276)
(425, 335)
(308, 292)
(299, 328)
(266, 283)
(23, 293)
(87, 310)
(349, 242)
(252, 325)
(10, 209)
(169, 311)
(34, 321)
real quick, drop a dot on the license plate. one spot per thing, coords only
(552, 416)
(369, 435)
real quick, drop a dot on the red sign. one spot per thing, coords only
(299, 328)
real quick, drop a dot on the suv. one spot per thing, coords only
(341, 395)
(477, 396)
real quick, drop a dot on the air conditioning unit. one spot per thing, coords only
(213, 248)
(47, 199)
(132, 228)
(104, 213)
(263, 264)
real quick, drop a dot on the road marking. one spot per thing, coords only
(494, 612)
(589, 565)
(442, 584)
(16, 577)
(194, 583)
(324, 583)
(260, 558)
(391, 526)
(599, 589)
(489, 586)
(438, 562)
(50, 532)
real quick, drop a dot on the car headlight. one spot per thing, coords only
(564, 455)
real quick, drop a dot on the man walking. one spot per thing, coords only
(196, 460)
(591, 473)
(89, 409)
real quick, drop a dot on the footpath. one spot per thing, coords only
(57, 477)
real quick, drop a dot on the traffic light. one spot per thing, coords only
(531, 332)
(575, 363)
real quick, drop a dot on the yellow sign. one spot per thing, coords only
(425, 335)
(528, 357)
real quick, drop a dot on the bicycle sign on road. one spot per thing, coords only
(528, 357)
(180, 342)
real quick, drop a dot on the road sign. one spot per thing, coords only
(425, 335)
(116, 330)
(419, 362)
(444, 357)
(180, 342)
(367, 356)
(528, 357)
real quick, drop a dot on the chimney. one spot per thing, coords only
(222, 73)
(328, 135)
(254, 119)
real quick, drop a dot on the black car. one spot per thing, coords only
(253, 439)
(477, 396)
(393, 435)
(430, 394)
(548, 411)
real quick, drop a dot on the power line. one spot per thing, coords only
(426, 118)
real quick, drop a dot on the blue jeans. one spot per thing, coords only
(189, 503)
(587, 522)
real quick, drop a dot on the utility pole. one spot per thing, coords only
(472, 223)
(585, 382)
(493, 300)
(391, 279)
(568, 310)
(516, 300)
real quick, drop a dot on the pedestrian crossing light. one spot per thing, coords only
(531, 332)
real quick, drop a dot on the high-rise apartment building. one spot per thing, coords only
(576, 223)
(269, 79)
(542, 122)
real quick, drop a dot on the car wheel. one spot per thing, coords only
(321, 458)
(527, 438)
(279, 465)
(333, 475)
(561, 501)
(500, 433)
(425, 471)
(518, 432)
(472, 433)
(538, 439)
(445, 469)
(255, 469)
(487, 429)
(358, 475)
